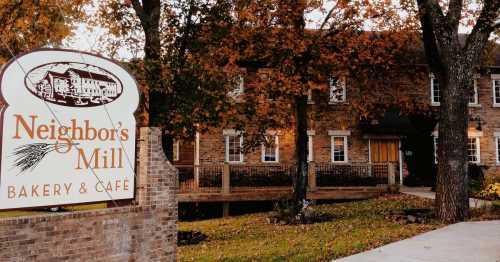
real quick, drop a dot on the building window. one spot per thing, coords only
(310, 96)
(234, 145)
(474, 99)
(435, 91)
(496, 92)
(497, 147)
(239, 87)
(339, 149)
(270, 149)
(337, 90)
(473, 149)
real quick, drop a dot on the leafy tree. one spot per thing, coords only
(454, 63)
(179, 94)
(285, 61)
(33, 24)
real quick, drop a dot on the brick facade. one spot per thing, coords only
(143, 231)
(341, 117)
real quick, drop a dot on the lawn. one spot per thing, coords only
(355, 227)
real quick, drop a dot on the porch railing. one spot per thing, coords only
(224, 178)
(353, 174)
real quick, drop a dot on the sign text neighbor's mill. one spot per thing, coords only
(68, 130)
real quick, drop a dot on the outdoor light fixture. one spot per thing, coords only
(478, 121)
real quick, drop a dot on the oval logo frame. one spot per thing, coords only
(73, 84)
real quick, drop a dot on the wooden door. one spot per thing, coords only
(384, 150)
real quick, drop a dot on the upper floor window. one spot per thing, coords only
(270, 149)
(496, 92)
(435, 91)
(234, 146)
(474, 99)
(337, 90)
(239, 87)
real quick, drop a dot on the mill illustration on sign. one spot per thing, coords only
(73, 84)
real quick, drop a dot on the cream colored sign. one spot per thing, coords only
(68, 130)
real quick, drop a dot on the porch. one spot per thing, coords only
(232, 183)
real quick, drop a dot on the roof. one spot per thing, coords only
(90, 75)
(65, 75)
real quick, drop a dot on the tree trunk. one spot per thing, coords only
(451, 189)
(300, 181)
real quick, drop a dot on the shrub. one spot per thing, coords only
(491, 192)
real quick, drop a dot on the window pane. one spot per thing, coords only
(338, 149)
(498, 149)
(436, 92)
(496, 84)
(472, 149)
(270, 149)
(234, 148)
(337, 90)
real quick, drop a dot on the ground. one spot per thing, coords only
(355, 227)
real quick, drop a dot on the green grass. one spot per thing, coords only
(355, 227)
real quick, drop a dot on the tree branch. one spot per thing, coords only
(454, 13)
(484, 26)
(139, 10)
(429, 36)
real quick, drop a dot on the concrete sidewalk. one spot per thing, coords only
(425, 192)
(462, 242)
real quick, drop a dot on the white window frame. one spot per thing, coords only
(494, 79)
(497, 155)
(433, 102)
(344, 134)
(276, 150)
(478, 149)
(342, 82)
(229, 133)
(471, 134)
(476, 95)
(239, 89)
(310, 145)
(310, 97)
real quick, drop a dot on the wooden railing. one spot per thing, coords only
(225, 178)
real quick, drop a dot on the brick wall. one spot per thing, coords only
(339, 117)
(143, 231)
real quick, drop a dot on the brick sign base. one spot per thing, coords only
(143, 231)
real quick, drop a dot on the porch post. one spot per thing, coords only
(226, 182)
(312, 176)
(197, 162)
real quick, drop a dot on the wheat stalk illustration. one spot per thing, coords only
(28, 156)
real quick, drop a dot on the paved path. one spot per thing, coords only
(462, 242)
(426, 192)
